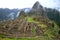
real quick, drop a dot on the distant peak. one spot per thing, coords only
(37, 5)
(37, 2)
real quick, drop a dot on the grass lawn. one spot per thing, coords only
(30, 19)
(30, 38)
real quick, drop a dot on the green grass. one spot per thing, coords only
(30, 38)
(30, 19)
(2, 35)
(33, 30)
(42, 25)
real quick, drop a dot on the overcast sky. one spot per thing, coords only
(28, 3)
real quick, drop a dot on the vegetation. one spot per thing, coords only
(32, 38)
(42, 31)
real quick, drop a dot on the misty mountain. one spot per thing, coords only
(26, 9)
(6, 13)
(39, 10)
(37, 5)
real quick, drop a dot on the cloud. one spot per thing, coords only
(28, 3)
(11, 16)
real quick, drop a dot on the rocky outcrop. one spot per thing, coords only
(38, 10)
(37, 6)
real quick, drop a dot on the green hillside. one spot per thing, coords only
(33, 28)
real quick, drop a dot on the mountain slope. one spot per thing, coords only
(5, 12)
(39, 10)
(37, 5)
(29, 27)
